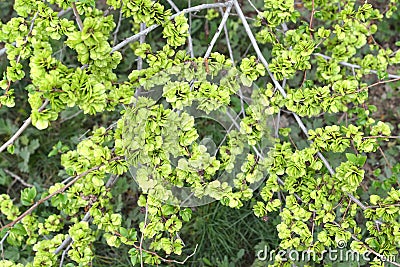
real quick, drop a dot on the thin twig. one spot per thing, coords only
(18, 178)
(254, 7)
(378, 83)
(77, 16)
(21, 129)
(278, 116)
(385, 158)
(142, 39)
(63, 12)
(228, 43)
(142, 236)
(152, 27)
(219, 30)
(312, 15)
(226, 134)
(190, 41)
(1, 244)
(382, 136)
(118, 25)
(3, 50)
(72, 116)
(230, 51)
(174, 7)
(167, 260)
(64, 254)
(277, 124)
(354, 66)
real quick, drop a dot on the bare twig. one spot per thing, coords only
(382, 136)
(18, 178)
(77, 16)
(142, 236)
(1, 244)
(111, 181)
(312, 15)
(278, 116)
(384, 156)
(378, 83)
(118, 26)
(254, 7)
(3, 50)
(354, 66)
(190, 41)
(142, 39)
(228, 43)
(72, 116)
(63, 12)
(152, 27)
(21, 129)
(219, 30)
(64, 254)
(174, 7)
(277, 124)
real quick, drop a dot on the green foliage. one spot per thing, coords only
(137, 103)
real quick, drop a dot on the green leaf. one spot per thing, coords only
(28, 196)
(11, 149)
(186, 214)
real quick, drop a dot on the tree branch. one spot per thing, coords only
(228, 43)
(118, 26)
(151, 28)
(1, 244)
(21, 129)
(77, 16)
(63, 12)
(142, 236)
(190, 41)
(219, 30)
(353, 66)
(16, 177)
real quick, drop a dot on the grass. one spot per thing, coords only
(226, 235)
